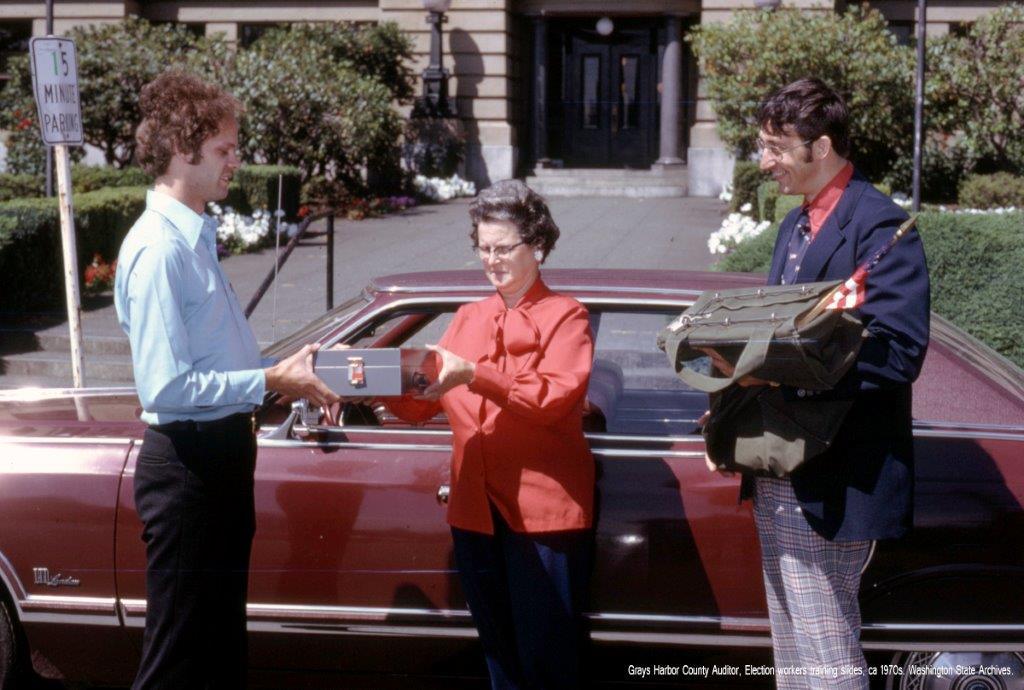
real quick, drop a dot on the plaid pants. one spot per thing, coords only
(812, 586)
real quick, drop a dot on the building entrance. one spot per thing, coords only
(610, 96)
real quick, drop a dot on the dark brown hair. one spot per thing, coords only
(812, 109)
(513, 201)
(180, 111)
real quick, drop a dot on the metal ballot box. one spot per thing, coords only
(376, 372)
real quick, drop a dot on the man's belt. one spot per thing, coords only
(241, 422)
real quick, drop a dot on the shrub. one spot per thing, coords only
(18, 185)
(784, 204)
(89, 178)
(974, 262)
(308, 108)
(753, 256)
(254, 188)
(433, 147)
(774, 206)
(976, 89)
(977, 283)
(746, 178)
(84, 178)
(757, 52)
(999, 190)
(943, 165)
(31, 261)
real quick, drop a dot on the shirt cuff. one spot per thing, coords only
(491, 383)
(248, 385)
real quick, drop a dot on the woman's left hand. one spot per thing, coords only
(455, 371)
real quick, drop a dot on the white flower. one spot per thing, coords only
(735, 229)
(746, 208)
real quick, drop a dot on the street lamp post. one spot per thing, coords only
(435, 101)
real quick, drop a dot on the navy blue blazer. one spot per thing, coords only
(862, 487)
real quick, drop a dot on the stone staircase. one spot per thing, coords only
(38, 354)
(584, 182)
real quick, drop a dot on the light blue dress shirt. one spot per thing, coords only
(194, 354)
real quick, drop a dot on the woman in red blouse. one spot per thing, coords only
(513, 377)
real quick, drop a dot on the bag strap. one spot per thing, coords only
(753, 356)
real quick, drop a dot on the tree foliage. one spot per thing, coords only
(757, 52)
(312, 104)
(319, 97)
(976, 88)
(114, 62)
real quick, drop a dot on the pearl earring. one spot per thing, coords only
(538, 255)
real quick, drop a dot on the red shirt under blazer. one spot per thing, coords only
(518, 426)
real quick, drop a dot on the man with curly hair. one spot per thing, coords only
(200, 377)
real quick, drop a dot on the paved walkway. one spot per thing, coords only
(596, 232)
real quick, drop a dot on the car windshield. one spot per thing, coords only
(316, 330)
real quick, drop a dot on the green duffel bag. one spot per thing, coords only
(780, 334)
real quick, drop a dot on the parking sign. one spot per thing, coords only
(55, 81)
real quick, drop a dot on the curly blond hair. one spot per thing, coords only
(180, 111)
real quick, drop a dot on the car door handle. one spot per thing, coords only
(442, 493)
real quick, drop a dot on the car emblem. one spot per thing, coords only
(41, 576)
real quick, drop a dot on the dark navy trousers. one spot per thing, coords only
(527, 594)
(194, 494)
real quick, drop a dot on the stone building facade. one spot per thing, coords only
(538, 83)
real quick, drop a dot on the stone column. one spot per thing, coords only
(540, 89)
(671, 94)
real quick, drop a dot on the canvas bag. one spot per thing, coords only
(764, 333)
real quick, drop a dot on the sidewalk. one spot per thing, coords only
(596, 232)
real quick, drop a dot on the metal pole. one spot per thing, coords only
(919, 103)
(71, 289)
(330, 262)
(48, 149)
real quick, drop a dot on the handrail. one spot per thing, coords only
(283, 256)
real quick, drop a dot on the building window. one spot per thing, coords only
(14, 37)
(960, 29)
(903, 30)
(250, 33)
(197, 29)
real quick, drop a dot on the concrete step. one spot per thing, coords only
(105, 369)
(680, 173)
(601, 186)
(14, 340)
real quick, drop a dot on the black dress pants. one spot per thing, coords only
(194, 494)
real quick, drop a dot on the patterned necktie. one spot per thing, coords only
(798, 243)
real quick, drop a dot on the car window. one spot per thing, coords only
(631, 382)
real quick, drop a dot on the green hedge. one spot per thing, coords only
(31, 261)
(774, 206)
(255, 187)
(746, 178)
(992, 191)
(84, 178)
(975, 265)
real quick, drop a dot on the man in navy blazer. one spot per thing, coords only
(817, 526)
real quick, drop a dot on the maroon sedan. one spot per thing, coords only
(352, 572)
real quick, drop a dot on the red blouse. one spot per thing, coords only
(518, 425)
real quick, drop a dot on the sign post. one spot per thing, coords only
(55, 82)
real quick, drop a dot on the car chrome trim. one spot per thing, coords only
(736, 631)
(991, 435)
(411, 289)
(274, 443)
(636, 453)
(92, 440)
(32, 393)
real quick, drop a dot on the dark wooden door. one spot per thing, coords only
(610, 98)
